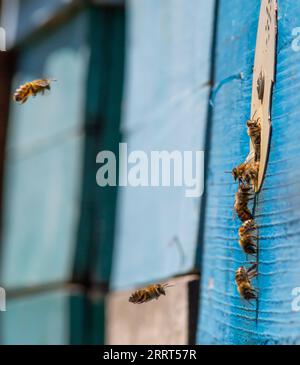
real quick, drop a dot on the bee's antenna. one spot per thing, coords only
(167, 285)
(251, 156)
(254, 114)
(254, 264)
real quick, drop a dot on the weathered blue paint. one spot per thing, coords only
(44, 161)
(166, 96)
(224, 317)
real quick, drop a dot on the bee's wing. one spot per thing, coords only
(250, 156)
(42, 83)
(167, 285)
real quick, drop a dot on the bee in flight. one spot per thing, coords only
(31, 88)
(149, 293)
(242, 197)
(248, 237)
(243, 279)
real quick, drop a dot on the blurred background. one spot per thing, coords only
(158, 75)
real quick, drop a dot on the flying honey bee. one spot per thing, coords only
(254, 132)
(242, 197)
(31, 88)
(246, 172)
(243, 279)
(149, 293)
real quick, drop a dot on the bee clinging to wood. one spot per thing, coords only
(248, 244)
(248, 237)
(254, 132)
(243, 279)
(247, 227)
(242, 197)
(149, 293)
(246, 172)
(31, 88)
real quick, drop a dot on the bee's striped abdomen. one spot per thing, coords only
(149, 293)
(31, 88)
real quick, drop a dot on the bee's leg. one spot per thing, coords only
(252, 271)
(32, 91)
(252, 275)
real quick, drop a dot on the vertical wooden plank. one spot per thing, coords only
(166, 97)
(225, 319)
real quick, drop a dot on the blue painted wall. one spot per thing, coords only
(165, 104)
(225, 319)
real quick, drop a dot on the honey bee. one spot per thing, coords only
(246, 172)
(247, 238)
(254, 132)
(247, 226)
(243, 279)
(149, 293)
(242, 197)
(248, 244)
(31, 88)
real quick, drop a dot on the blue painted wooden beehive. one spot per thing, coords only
(225, 318)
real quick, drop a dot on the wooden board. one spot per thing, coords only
(264, 70)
